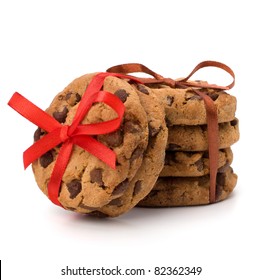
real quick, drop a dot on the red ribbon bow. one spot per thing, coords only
(74, 134)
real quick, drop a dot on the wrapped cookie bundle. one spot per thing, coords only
(185, 178)
(111, 141)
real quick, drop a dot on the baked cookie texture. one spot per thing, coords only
(192, 164)
(194, 137)
(153, 160)
(184, 107)
(88, 182)
(185, 191)
(184, 180)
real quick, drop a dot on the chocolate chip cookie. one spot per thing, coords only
(194, 137)
(184, 191)
(185, 107)
(191, 164)
(88, 182)
(153, 160)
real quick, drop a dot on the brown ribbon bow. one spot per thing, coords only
(211, 110)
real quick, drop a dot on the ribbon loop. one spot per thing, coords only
(210, 63)
(34, 114)
(180, 83)
(133, 68)
(170, 82)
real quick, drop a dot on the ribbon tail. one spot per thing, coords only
(58, 172)
(45, 144)
(97, 149)
(132, 68)
(33, 113)
(213, 147)
(213, 142)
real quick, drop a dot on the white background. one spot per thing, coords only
(46, 44)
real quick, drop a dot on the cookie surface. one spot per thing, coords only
(88, 182)
(185, 191)
(191, 164)
(184, 107)
(153, 160)
(194, 138)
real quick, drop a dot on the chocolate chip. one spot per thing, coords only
(221, 179)
(78, 97)
(219, 190)
(223, 168)
(153, 131)
(74, 188)
(46, 159)
(169, 100)
(122, 95)
(137, 188)
(68, 95)
(116, 202)
(142, 89)
(152, 193)
(234, 122)
(193, 97)
(72, 98)
(114, 139)
(38, 133)
(173, 147)
(61, 116)
(120, 188)
(131, 127)
(200, 165)
(138, 152)
(213, 95)
(96, 176)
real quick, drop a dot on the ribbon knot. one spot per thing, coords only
(169, 82)
(64, 133)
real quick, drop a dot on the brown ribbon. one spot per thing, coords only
(211, 110)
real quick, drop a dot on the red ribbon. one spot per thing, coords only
(74, 134)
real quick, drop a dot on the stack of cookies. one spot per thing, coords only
(184, 179)
(161, 148)
(89, 185)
